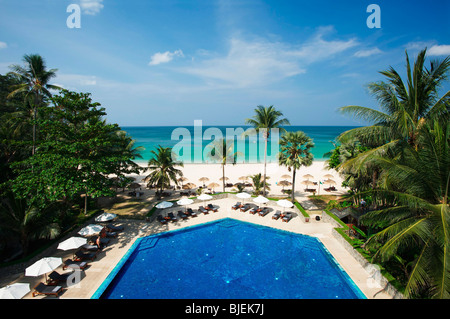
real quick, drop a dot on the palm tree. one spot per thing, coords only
(265, 119)
(223, 151)
(34, 78)
(405, 108)
(415, 219)
(163, 169)
(295, 153)
(258, 183)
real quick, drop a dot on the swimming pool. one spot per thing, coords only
(228, 259)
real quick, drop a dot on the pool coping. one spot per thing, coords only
(341, 271)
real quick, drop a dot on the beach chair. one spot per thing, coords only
(80, 256)
(43, 289)
(203, 210)
(182, 215)
(69, 263)
(56, 278)
(245, 208)
(191, 213)
(276, 215)
(253, 210)
(172, 217)
(287, 217)
(263, 212)
(236, 206)
(161, 219)
(211, 207)
(91, 248)
(114, 228)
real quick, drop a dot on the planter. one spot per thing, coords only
(306, 219)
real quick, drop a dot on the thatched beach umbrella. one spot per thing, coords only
(243, 178)
(182, 179)
(213, 185)
(330, 181)
(286, 176)
(203, 180)
(284, 183)
(307, 183)
(189, 186)
(308, 176)
(328, 176)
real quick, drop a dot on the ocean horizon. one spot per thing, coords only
(150, 137)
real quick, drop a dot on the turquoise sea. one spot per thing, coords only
(192, 139)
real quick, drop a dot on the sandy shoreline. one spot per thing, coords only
(193, 172)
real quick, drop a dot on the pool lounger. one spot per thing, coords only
(253, 210)
(69, 263)
(172, 217)
(182, 215)
(236, 206)
(287, 217)
(263, 212)
(276, 215)
(43, 289)
(211, 207)
(245, 208)
(161, 219)
(191, 213)
(203, 210)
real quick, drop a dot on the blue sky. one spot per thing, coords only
(172, 62)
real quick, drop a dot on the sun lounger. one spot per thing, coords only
(191, 213)
(43, 289)
(276, 215)
(253, 210)
(245, 208)
(287, 217)
(80, 256)
(56, 278)
(203, 210)
(161, 219)
(92, 248)
(172, 217)
(114, 228)
(182, 215)
(69, 263)
(236, 206)
(263, 212)
(211, 207)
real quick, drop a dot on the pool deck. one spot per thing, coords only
(106, 260)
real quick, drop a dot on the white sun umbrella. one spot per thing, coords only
(184, 202)
(105, 217)
(243, 195)
(205, 197)
(285, 203)
(14, 291)
(43, 266)
(90, 229)
(164, 204)
(260, 199)
(72, 243)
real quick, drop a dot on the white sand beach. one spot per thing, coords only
(193, 172)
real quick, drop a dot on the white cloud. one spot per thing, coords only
(260, 62)
(91, 7)
(3, 45)
(165, 57)
(439, 50)
(368, 52)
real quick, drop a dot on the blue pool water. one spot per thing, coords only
(228, 259)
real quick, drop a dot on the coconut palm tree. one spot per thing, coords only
(259, 182)
(405, 108)
(295, 153)
(163, 166)
(34, 86)
(222, 151)
(265, 119)
(415, 219)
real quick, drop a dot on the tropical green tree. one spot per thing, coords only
(34, 86)
(76, 156)
(258, 183)
(222, 151)
(163, 169)
(415, 217)
(26, 222)
(405, 106)
(295, 152)
(265, 119)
